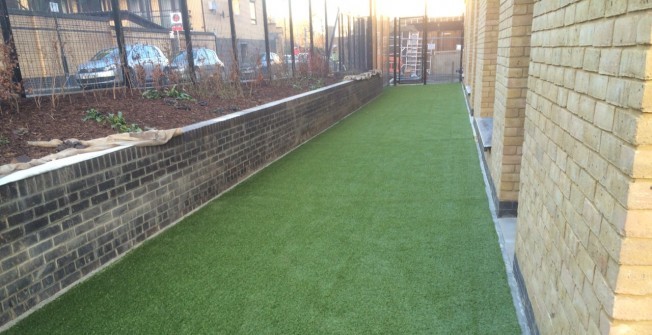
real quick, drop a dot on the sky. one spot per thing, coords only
(391, 8)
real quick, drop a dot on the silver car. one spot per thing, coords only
(207, 64)
(145, 63)
(258, 65)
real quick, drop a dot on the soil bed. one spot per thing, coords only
(41, 119)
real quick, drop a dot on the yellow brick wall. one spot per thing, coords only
(244, 29)
(469, 44)
(39, 49)
(584, 242)
(511, 90)
(485, 52)
(39, 46)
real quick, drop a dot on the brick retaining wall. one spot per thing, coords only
(59, 226)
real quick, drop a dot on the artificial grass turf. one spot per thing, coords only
(380, 225)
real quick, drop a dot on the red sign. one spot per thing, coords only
(176, 21)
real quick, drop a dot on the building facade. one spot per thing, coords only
(53, 38)
(568, 86)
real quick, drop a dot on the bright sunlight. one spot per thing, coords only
(388, 8)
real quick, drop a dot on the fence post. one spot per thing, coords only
(120, 40)
(400, 45)
(8, 38)
(340, 47)
(183, 4)
(326, 48)
(425, 42)
(370, 43)
(292, 39)
(352, 37)
(461, 70)
(396, 58)
(359, 47)
(312, 44)
(64, 60)
(362, 45)
(348, 42)
(236, 67)
(268, 60)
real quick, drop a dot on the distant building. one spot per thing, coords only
(79, 28)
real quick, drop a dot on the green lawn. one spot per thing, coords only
(378, 226)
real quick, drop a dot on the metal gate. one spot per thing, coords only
(426, 54)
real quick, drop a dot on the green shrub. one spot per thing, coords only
(116, 121)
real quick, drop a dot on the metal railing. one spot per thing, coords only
(60, 51)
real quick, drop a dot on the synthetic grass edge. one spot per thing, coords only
(140, 244)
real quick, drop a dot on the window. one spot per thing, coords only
(140, 8)
(45, 6)
(236, 7)
(149, 52)
(14, 4)
(252, 11)
(201, 57)
(86, 6)
(166, 8)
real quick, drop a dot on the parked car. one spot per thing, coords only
(207, 64)
(104, 69)
(250, 70)
(303, 57)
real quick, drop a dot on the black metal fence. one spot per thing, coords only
(64, 48)
(429, 53)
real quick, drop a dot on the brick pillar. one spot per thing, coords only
(584, 242)
(627, 144)
(469, 43)
(509, 105)
(485, 51)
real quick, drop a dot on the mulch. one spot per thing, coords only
(61, 117)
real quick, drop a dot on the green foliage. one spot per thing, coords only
(95, 115)
(308, 83)
(318, 84)
(175, 93)
(152, 94)
(117, 121)
(3, 140)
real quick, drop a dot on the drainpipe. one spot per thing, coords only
(203, 17)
